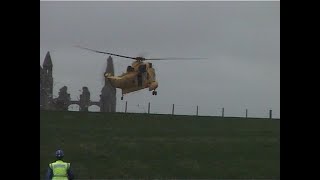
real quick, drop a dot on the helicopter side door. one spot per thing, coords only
(141, 74)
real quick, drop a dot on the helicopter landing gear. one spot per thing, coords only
(154, 93)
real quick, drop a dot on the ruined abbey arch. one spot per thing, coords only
(107, 101)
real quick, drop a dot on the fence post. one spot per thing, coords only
(246, 113)
(197, 110)
(222, 112)
(126, 107)
(270, 114)
(149, 108)
(172, 109)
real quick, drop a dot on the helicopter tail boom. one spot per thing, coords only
(112, 79)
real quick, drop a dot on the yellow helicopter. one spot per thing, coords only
(140, 75)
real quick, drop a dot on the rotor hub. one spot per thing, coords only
(140, 58)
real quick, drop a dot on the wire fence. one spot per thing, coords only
(191, 110)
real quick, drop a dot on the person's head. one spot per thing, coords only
(59, 154)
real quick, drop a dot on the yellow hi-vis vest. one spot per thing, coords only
(60, 169)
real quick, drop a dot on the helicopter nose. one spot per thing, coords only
(153, 86)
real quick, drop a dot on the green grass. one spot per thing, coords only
(118, 145)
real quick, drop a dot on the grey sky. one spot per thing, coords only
(240, 39)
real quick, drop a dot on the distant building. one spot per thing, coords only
(107, 101)
(46, 83)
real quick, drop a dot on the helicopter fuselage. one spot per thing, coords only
(139, 76)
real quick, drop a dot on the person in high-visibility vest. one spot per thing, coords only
(59, 170)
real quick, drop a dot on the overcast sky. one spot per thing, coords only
(240, 39)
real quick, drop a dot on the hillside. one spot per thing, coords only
(117, 145)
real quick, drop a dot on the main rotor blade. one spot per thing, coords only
(150, 59)
(106, 53)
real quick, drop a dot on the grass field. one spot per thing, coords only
(118, 145)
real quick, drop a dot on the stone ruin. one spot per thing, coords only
(107, 101)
